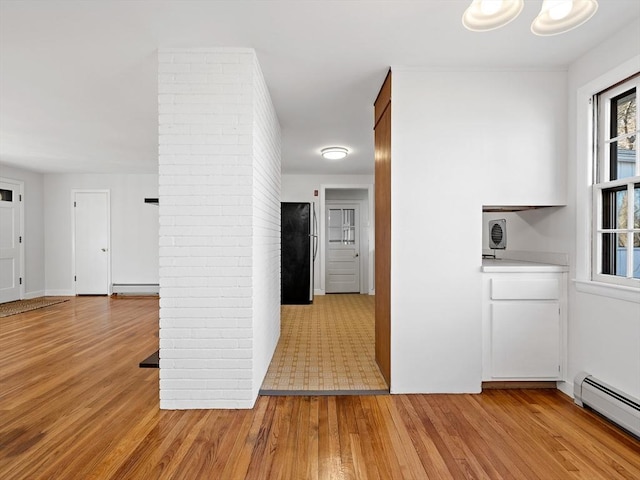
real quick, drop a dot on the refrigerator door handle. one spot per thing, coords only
(314, 234)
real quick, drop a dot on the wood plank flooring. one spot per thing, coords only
(75, 405)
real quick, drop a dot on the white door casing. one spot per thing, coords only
(11, 240)
(343, 248)
(91, 242)
(367, 232)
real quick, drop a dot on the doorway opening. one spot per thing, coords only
(358, 198)
(328, 347)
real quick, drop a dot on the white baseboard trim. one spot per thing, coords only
(30, 295)
(60, 293)
(318, 291)
(566, 388)
(372, 292)
(135, 288)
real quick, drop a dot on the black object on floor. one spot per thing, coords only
(152, 361)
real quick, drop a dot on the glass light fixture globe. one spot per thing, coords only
(560, 16)
(485, 15)
(559, 9)
(490, 7)
(334, 153)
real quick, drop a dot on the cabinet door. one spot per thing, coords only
(525, 340)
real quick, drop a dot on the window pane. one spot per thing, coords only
(335, 217)
(349, 231)
(624, 128)
(6, 195)
(636, 208)
(621, 209)
(614, 255)
(335, 225)
(623, 161)
(618, 266)
(636, 255)
(621, 255)
(625, 108)
(349, 217)
(610, 207)
(615, 207)
(608, 257)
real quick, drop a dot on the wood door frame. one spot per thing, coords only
(383, 212)
(21, 263)
(322, 230)
(74, 191)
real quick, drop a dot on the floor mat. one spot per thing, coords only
(21, 306)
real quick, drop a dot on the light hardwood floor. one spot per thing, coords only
(75, 405)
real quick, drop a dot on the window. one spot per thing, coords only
(6, 195)
(342, 226)
(616, 192)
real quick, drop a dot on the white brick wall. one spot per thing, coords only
(219, 171)
(266, 227)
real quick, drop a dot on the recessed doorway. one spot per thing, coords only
(328, 347)
(360, 199)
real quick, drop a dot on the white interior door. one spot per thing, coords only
(91, 242)
(10, 241)
(343, 249)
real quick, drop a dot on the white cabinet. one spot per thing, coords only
(524, 329)
(525, 340)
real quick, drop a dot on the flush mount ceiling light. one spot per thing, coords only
(485, 15)
(556, 16)
(334, 153)
(559, 16)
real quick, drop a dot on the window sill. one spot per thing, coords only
(620, 292)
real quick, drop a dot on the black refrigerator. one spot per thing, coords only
(299, 243)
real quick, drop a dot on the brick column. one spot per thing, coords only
(213, 340)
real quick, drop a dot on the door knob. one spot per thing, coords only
(104, 249)
(357, 255)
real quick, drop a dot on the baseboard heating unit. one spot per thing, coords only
(135, 289)
(611, 403)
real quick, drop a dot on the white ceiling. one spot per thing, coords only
(78, 79)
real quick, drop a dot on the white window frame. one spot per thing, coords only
(602, 115)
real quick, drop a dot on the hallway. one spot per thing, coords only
(326, 346)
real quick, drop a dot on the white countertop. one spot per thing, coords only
(510, 266)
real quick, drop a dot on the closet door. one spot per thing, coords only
(91, 242)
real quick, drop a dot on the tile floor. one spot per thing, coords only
(326, 346)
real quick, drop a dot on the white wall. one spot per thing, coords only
(300, 188)
(134, 227)
(460, 140)
(266, 228)
(34, 274)
(604, 329)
